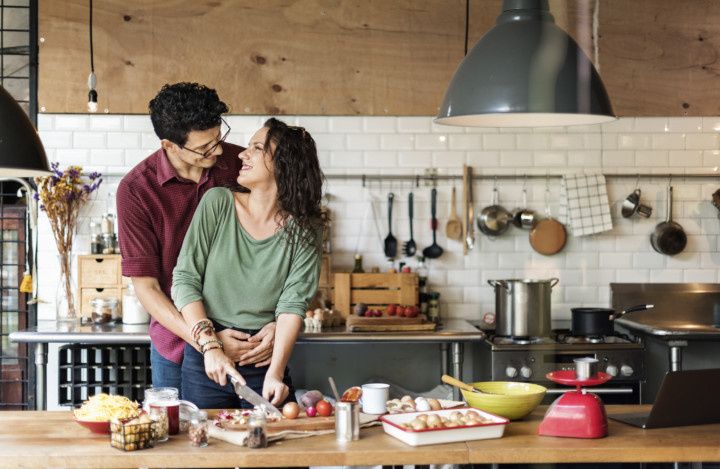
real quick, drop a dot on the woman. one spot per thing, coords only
(251, 256)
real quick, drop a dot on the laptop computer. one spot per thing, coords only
(685, 398)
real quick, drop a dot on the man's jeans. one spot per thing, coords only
(165, 373)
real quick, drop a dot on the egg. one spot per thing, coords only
(418, 425)
(407, 399)
(422, 405)
(471, 414)
(422, 417)
(434, 404)
(291, 410)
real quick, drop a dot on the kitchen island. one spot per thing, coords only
(36, 438)
(451, 335)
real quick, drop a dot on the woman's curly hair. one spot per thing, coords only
(183, 107)
(299, 181)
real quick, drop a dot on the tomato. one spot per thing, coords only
(392, 309)
(324, 408)
(406, 269)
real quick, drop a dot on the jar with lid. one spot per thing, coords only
(96, 237)
(257, 435)
(198, 429)
(133, 311)
(104, 310)
(160, 426)
(358, 268)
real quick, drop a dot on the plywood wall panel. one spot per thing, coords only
(660, 57)
(276, 56)
(359, 57)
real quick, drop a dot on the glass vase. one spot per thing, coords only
(66, 308)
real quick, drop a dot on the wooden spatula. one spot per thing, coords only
(453, 228)
(447, 379)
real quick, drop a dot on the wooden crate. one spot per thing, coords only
(375, 290)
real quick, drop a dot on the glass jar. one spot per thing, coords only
(133, 311)
(257, 435)
(358, 268)
(160, 427)
(434, 307)
(104, 310)
(198, 429)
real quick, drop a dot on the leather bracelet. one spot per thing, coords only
(199, 327)
(211, 333)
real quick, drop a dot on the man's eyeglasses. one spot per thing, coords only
(212, 149)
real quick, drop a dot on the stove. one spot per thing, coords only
(529, 359)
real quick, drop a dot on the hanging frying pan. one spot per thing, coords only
(669, 238)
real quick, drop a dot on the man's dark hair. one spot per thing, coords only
(181, 108)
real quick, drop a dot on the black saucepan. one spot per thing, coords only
(598, 321)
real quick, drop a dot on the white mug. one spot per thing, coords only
(374, 397)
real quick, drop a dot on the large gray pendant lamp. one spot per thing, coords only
(21, 151)
(525, 72)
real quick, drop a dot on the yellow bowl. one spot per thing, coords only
(506, 398)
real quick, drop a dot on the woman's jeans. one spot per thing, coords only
(207, 394)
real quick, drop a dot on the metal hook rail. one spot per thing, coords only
(433, 179)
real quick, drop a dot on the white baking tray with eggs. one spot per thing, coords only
(443, 426)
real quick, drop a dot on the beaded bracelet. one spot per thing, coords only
(211, 348)
(203, 346)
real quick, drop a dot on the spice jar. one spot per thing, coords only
(198, 429)
(434, 307)
(257, 436)
(160, 427)
(104, 310)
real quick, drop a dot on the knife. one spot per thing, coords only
(246, 392)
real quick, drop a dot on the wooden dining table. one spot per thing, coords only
(53, 439)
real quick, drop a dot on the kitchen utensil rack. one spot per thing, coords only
(433, 179)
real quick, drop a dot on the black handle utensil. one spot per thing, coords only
(390, 241)
(434, 250)
(409, 248)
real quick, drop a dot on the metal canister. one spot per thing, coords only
(586, 368)
(347, 421)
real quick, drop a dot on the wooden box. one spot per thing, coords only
(375, 290)
(99, 276)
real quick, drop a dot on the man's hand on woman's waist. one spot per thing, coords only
(245, 349)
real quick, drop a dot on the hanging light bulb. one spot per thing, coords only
(92, 105)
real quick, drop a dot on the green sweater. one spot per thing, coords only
(243, 282)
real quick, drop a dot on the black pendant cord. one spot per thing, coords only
(92, 59)
(467, 23)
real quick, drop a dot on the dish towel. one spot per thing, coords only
(584, 204)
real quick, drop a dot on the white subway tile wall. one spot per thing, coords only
(411, 145)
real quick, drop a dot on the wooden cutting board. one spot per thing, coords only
(388, 324)
(303, 423)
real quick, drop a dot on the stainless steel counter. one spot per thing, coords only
(682, 312)
(450, 336)
(455, 330)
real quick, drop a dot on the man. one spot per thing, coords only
(155, 203)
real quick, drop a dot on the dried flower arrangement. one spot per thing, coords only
(61, 195)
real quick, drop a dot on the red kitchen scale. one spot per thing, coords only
(576, 414)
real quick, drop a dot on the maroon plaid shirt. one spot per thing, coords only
(155, 207)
